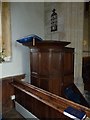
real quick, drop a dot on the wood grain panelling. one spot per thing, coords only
(51, 61)
(7, 91)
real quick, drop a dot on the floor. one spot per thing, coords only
(13, 114)
(87, 96)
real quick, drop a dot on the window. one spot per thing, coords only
(5, 38)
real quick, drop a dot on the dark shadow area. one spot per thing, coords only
(72, 93)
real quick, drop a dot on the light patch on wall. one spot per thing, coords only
(84, 42)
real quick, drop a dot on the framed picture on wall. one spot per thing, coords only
(53, 20)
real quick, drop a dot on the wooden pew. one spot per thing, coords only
(43, 104)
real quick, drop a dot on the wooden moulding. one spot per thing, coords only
(46, 43)
(49, 99)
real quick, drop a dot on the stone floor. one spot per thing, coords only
(87, 96)
(13, 114)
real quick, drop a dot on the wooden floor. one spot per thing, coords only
(13, 114)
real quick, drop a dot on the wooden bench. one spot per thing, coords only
(41, 103)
